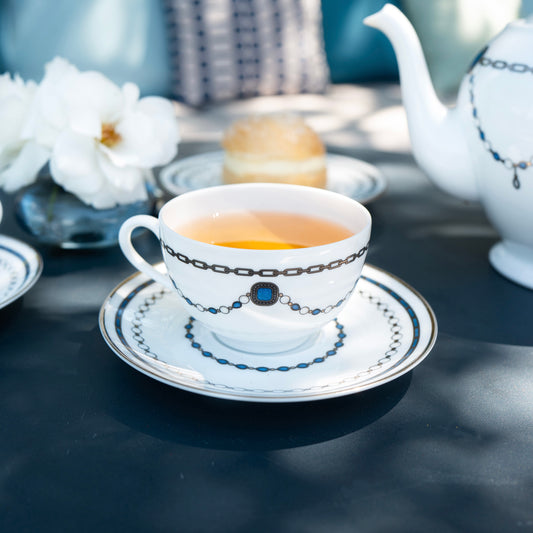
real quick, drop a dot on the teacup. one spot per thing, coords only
(257, 300)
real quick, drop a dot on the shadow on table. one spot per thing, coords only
(440, 246)
(170, 414)
(9, 313)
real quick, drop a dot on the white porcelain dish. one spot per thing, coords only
(346, 175)
(386, 330)
(20, 268)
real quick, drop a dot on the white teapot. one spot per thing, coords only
(482, 149)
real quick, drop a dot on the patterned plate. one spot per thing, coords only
(20, 268)
(385, 330)
(346, 175)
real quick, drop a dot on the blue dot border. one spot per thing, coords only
(337, 345)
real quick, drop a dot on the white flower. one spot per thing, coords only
(21, 157)
(110, 139)
(102, 140)
(48, 115)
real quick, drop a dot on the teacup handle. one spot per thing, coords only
(133, 256)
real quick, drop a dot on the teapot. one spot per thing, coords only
(481, 149)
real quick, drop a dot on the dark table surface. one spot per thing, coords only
(90, 444)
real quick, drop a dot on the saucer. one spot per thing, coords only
(385, 330)
(20, 268)
(346, 175)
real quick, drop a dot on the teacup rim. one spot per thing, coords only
(259, 252)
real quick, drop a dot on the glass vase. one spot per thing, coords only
(58, 218)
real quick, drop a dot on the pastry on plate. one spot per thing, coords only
(278, 148)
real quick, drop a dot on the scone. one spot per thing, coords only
(273, 148)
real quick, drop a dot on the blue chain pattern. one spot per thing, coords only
(507, 162)
(305, 310)
(285, 368)
(264, 272)
(246, 298)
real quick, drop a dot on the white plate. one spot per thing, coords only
(20, 268)
(346, 175)
(385, 330)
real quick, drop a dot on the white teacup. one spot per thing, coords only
(259, 301)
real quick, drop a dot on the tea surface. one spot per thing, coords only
(264, 230)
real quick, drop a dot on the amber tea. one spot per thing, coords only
(264, 230)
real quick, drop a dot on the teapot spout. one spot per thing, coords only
(438, 142)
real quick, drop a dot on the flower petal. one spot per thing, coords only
(74, 165)
(155, 105)
(82, 168)
(130, 93)
(137, 135)
(97, 93)
(13, 112)
(25, 167)
(121, 178)
(85, 121)
(166, 128)
(150, 134)
(57, 70)
(122, 185)
(47, 115)
(15, 100)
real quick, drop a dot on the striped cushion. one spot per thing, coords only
(227, 49)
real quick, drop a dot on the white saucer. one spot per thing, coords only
(386, 329)
(346, 175)
(20, 268)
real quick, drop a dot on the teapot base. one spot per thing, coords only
(513, 261)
